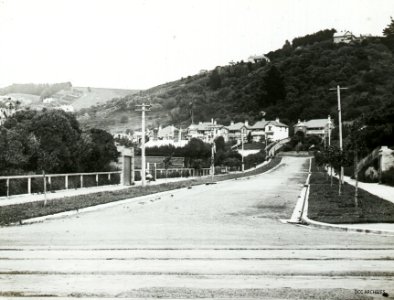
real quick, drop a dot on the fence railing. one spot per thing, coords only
(28, 184)
(173, 173)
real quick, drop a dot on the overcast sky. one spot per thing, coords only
(137, 44)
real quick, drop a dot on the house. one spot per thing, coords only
(269, 130)
(238, 130)
(66, 108)
(343, 37)
(207, 131)
(258, 58)
(319, 127)
(7, 110)
(169, 135)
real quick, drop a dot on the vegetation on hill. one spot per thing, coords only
(42, 90)
(294, 84)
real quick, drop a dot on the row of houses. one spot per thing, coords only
(264, 130)
(261, 131)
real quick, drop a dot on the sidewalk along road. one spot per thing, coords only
(218, 241)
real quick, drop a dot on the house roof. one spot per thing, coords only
(167, 130)
(315, 123)
(204, 126)
(277, 123)
(236, 126)
(260, 124)
(343, 33)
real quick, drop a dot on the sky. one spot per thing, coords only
(138, 44)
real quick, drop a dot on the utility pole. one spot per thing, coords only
(242, 155)
(338, 89)
(143, 108)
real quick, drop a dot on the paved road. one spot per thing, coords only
(217, 241)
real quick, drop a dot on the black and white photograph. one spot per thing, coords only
(197, 149)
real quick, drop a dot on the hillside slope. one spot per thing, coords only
(294, 84)
(34, 95)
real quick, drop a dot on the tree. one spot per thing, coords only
(99, 151)
(388, 33)
(214, 81)
(274, 86)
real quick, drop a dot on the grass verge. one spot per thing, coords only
(325, 205)
(18, 212)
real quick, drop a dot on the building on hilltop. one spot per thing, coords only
(258, 58)
(344, 37)
(319, 127)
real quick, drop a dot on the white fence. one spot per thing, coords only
(69, 180)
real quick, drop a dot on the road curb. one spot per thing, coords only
(305, 220)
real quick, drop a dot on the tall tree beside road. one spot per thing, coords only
(100, 150)
(52, 141)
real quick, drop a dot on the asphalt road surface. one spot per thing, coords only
(217, 241)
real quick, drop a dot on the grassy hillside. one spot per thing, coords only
(294, 84)
(33, 95)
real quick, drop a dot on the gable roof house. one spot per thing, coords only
(271, 130)
(319, 127)
(237, 130)
(343, 37)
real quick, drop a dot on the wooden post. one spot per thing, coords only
(66, 182)
(45, 188)
(29, 185)
(8, 187)
(96, 179)
(154, 171)
(81, 181)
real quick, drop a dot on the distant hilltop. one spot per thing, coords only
(60, 95)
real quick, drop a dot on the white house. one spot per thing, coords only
(343, 37)
(269, 130)
(319, 127)
(258, 58)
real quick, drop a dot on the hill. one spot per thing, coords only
(295, 84)
(38, 96)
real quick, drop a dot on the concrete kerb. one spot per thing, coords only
(110, 204)
(305, 220)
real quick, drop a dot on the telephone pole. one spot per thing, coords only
(338, 89)
(143, 108)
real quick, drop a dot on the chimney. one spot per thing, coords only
(299, 121)
(232, 123)
(246, 123)
(277, 119)
(215, 122)
(212, 121)
(199, 123)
